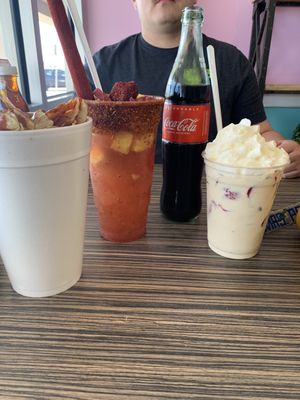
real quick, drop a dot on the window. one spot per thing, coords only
(53, 57)
(36, 51)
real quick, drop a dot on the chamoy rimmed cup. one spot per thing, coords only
(121, 165)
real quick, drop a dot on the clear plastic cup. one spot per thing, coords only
(239, 201)
(44, 184)
(121, 164)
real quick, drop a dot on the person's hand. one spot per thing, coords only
(293, 150)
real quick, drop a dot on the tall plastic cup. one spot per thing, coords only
(44, 183)
(239, 201)
(121, 165)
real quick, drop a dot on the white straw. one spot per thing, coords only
(215, 86)
(89, 58)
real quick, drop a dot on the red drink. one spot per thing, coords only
(121, 164)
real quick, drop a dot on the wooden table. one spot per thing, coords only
(161, 318)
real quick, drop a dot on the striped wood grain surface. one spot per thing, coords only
(161, 318)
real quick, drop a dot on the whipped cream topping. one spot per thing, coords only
(242, 145)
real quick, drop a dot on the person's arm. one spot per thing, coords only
(246, 100)
(290, 146)
(268, 133)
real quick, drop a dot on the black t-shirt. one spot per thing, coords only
(133, 59)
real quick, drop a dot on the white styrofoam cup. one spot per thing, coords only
(43, 199)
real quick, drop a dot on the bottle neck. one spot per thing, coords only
(188, 80)
(191, 41)
(189, 67)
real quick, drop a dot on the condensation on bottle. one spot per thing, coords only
(9, 86)
(186, 119)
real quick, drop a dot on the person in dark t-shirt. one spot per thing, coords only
(147, 59)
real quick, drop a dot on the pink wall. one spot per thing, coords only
(107, 21)
(284, 58)
(229, 21)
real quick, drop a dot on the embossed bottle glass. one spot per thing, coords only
(185, 123)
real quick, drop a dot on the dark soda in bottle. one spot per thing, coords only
(185, 123)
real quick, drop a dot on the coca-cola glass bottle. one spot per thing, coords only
(186, 118)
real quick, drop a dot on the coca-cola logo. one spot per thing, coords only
(186, 125)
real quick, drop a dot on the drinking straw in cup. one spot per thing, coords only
(214, 85)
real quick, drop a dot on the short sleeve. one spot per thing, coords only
(248, 101)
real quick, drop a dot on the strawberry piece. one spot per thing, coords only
(249, 191)
(231, 195)
(124, 91)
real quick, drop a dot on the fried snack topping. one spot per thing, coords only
(70, 113)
